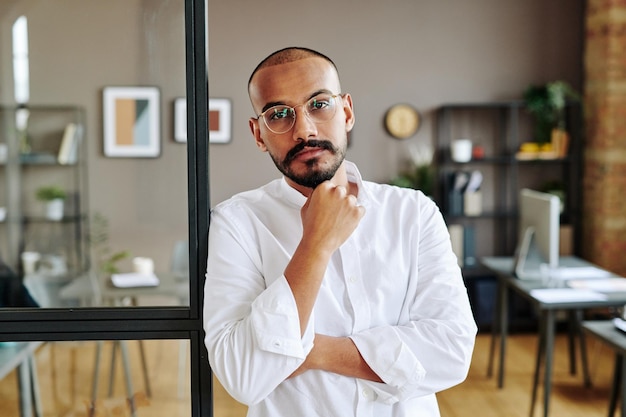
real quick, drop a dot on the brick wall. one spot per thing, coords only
(604, 183)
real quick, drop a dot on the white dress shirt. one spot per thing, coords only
(394, 287)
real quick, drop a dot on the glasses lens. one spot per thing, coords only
(279, 119)
(321, 108)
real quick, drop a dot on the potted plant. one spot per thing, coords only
(546, 104)
(99, 239)
(54, 197)
(421, 174)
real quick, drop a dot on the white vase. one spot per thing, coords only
(54, 209)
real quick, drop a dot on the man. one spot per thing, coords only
(327, 295)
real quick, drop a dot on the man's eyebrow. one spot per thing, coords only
(282, 103)
(272, 104)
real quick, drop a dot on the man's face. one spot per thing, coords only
(311, 151)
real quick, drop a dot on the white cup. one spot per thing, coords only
(29, 262)
(143, 265)
(461, 150)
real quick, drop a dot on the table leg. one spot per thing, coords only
(572, 334)
(623, 386)
(583, 348)
(615, 387)
(547, 379)
(25, 389)
(504, 327)
(540, 353)
(494, 330)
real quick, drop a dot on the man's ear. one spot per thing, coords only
(256, 133)
(348, 111)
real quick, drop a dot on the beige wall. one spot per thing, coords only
(423, 52)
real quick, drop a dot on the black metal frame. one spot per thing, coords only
(136, 323)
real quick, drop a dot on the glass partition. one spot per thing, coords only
(95, 378)
(97, 132)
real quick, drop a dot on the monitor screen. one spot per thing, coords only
(538, 229)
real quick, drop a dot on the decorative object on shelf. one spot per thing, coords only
(461, 150)
(421, 174)
(529, 151)
(546, 104)
(54, 197)
(99, 240)
(132, 122)
(402, 121)
(220, 120)
(68, 150)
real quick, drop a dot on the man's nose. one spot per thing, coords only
(304, 127)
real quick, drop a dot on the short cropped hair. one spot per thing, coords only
(286, 55)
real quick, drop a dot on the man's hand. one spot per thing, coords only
(329, 216)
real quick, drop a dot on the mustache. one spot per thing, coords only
(312, 143)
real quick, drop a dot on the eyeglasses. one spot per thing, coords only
(281, 118)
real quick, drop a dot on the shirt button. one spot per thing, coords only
(368, 394)
(352, 279)
(277, 343)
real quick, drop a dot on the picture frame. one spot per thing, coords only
(220, 120)
(132, 125)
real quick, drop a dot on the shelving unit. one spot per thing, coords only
(499, 128)
(45, 146)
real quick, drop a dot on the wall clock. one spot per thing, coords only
(402, 121)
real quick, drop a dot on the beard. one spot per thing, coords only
(315, 174)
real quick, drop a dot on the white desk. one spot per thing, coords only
(503, 268)
(84, 289)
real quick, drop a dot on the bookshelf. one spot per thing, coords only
(43, 146)
(489, 228)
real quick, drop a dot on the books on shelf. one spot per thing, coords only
(68, 151)
(463, 244)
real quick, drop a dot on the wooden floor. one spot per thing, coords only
(66, 386)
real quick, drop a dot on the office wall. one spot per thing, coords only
(423, 52)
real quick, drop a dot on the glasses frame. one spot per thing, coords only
(306, 113)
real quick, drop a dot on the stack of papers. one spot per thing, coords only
(134, 280)
(566, 295)
(600, 285)
(578, 272)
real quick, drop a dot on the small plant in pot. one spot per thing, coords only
(54, 197)
(546, 103)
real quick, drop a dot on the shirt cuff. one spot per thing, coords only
(276, 324)
(392, 360)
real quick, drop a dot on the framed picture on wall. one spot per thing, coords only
(220, 120)
(131, 122)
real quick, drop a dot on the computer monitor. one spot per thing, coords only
(539, 220)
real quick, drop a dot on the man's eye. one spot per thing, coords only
(319, 104)
(280, 114)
